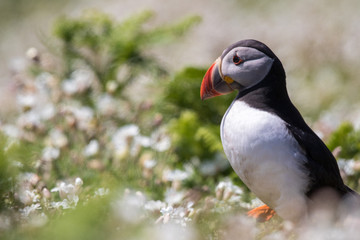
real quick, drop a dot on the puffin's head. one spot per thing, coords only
(242, 65)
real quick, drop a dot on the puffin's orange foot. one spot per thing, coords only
(262, 213)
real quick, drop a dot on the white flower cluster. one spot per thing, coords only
(54, 115)
(175, 175)
(133, 206)
(26, 211)
(79, 81)
(34, 103)
(102, 192)
(128, 139)
(27, 193)
(68, 193)
(81, 117)
(227, 191)
(179, 215)
(92, 148)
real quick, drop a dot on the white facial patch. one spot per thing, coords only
(255, 67)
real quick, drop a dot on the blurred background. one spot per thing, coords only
(316, 41)
(103, 133)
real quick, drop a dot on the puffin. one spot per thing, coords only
(265, 138)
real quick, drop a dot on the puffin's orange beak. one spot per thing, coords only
(213, 85)
(207, 89)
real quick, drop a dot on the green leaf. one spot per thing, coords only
(347, 138)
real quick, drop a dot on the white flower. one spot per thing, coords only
(69, 192)
(106, 105)
(91, 149)
(69, 87)
(28, 178)
(78, 183)
(64, 189)
(175, 175)
(79, 81)
(167, 210)
(149, 163)
(36, 97)
(26, 182)
(84, 117)
(47, 111)
(11, 130)
(128, 138)
(160, 141)
(32, 53)
(154, 205)
(33, 195)
(111, 86)
(58, 138)
(177, 215)
(102, 192)
(226, 190)
(29, 119)
(29, 196)
(50, 153)
(173, 197)
(25, 212)
(83, 79)
(44, 80)
(142, 141)
(124, 138)
(65, 204)
(125, 132)
(26, 100)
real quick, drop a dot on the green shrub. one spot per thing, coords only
(347, 138)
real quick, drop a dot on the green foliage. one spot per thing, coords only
(195, 124)
(117, 53)
(347, 138)
(183, 93)
(92, 214)
(15, 157)
(104, 45)
(100, 58)
(210, 136)
(6, 174)
(189, 137)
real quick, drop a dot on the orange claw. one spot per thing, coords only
(262, 213)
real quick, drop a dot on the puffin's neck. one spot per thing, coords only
(271, 95)
(270, 91)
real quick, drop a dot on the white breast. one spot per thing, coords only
(266, 158)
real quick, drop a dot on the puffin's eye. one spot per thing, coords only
(237, 60)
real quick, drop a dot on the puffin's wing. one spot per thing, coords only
(321, 163)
